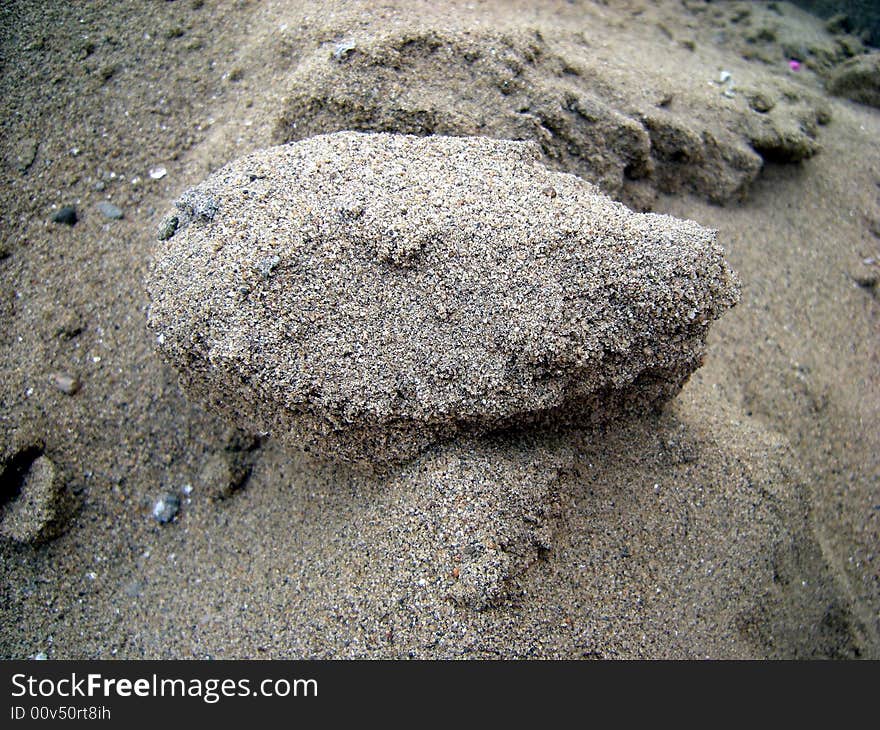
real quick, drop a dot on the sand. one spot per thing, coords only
(740, 522)
(364, 295)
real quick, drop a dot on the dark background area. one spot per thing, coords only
(862, 14)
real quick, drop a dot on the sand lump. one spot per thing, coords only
(858, 79)
(35, 503)
(366, 295)
(631, 129)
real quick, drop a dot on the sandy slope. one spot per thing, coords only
(742, 522)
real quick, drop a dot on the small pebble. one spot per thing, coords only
(343, 50)
(108, 210)
(66, 215)
(25, 153)
(267, 266)
(168, 227)
(724, 77)
(157, 173)
(166, 508)
(65, 383)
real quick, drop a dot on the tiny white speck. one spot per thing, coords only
(157, 173)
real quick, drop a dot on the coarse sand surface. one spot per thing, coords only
(742, 521)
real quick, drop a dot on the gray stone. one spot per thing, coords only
(165, 508)
(67, 384)
(24, 153)
(108, 210)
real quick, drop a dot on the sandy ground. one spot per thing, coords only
(742, 522)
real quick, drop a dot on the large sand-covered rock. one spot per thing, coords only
(364, 295)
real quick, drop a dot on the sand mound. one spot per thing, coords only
(631, 129)
(366, 295)
(692, 527)
(858, 79)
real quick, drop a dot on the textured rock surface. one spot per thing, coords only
(366, 295)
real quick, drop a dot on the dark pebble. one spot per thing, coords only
(66, 215)
(68, 325)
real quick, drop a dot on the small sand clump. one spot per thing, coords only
(366, 295)
(39, 503)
